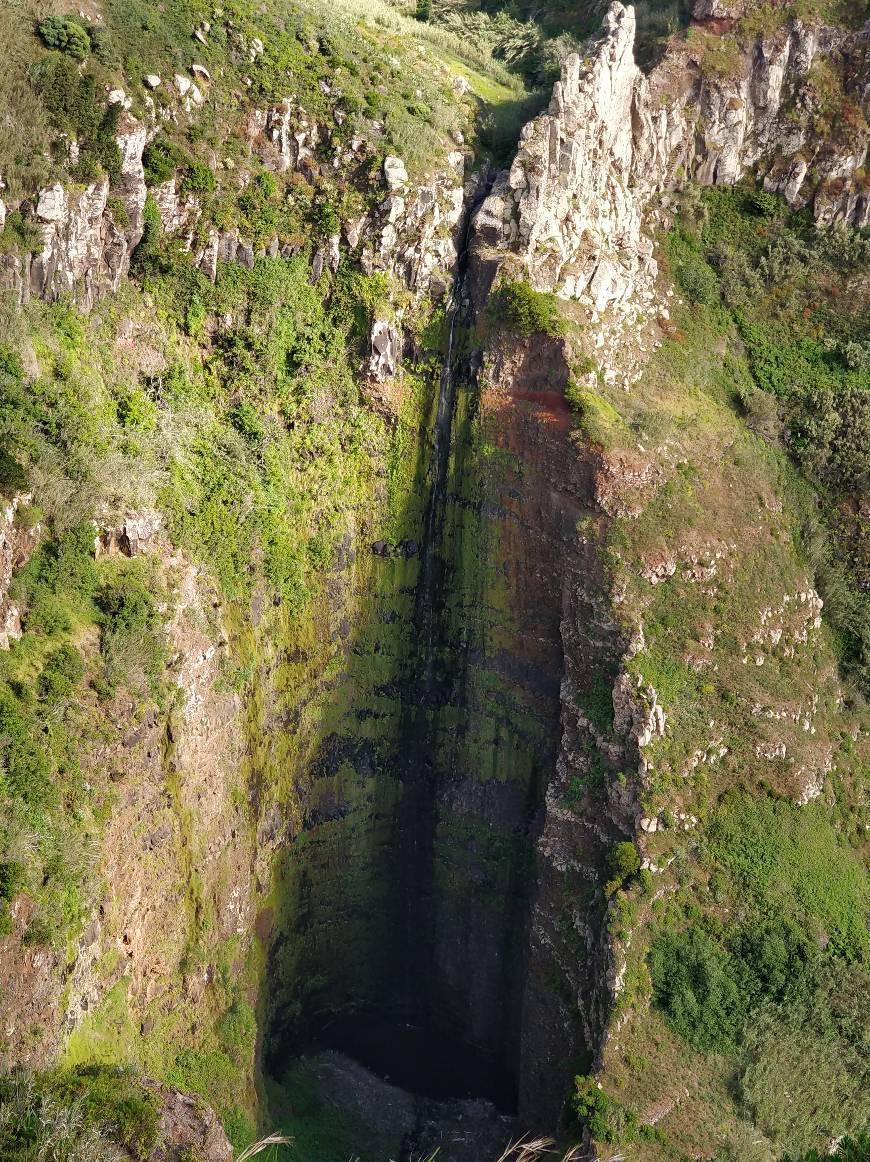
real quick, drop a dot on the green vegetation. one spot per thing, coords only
(708, 988)
(523, 311)
(745, 947)
(59, 64)
(84, 1114)
(66, 34)
(607, 1119)
(788, 859)
(793, 293)
(623, 863)
(76, 107)
(849, 1149)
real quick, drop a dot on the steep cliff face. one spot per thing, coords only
(576, 214)
(445, 614)
(570, 209)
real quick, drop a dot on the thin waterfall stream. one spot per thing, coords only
(403, 1044)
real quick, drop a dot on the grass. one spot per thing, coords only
(710, 1003)
(86, 1113)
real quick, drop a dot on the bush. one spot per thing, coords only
(519, 308)
(61, 569)
(130, 642)
(160, 160)
(77, 108)
(696, 985)
(19, 235)
(197, 179)
(146, 255)
(763, 204)
(66, 34)
(606, 1119)
(12, 476)
(697, 280)
(61, 673)
(267, 184)
(12, 881)
(26, 771)
(623, 862)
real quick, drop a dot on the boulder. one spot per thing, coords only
(395, 174)
(385, 346)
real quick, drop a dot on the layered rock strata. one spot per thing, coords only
(569, 212)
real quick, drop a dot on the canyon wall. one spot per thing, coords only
(405, 790)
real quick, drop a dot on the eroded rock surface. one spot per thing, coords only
(571, 207)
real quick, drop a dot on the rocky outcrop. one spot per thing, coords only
(568, 208)
(16, 545)
(766, 115)
(187, 1128)
(570, 211)
(411, 233)
(386, 350)
(87, 237)
(130, 536)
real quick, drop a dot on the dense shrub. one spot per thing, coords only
(764, 204)
(61, 673)
(519, 308)
(26, 771)
(197, 179)
(19, 234)
(62, 569)
(623, 863)
(12, 476)
(78, 108)
(12, 881)
(160, 160)
(697, 986)
(697, 279)
(606, 1119)
(849, 1149)
(131, 640)
(66, 34)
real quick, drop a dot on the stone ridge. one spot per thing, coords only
(85, 252)
(570, 209)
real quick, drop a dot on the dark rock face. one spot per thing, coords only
(187, 1127)
(417, 892)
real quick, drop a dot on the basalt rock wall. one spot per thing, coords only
(570, 210)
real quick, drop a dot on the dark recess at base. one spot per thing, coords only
(418, 1060)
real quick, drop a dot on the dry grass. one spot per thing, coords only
(263, 1144)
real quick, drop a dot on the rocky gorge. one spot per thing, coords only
(397, 795)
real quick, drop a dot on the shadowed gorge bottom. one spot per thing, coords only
(418, 1060)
